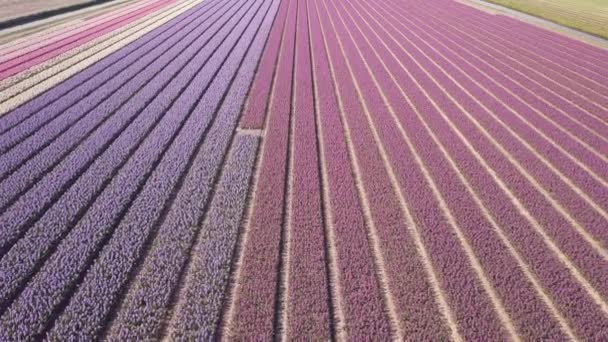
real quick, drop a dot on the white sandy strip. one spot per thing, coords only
(71, 17)
(14, 79)
(17, 9)
(37, 40)
(77, 23)
(94, 46)
(22, 87)
(132, 27)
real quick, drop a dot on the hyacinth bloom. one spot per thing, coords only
(301, 169)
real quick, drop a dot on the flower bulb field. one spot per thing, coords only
(262, 170)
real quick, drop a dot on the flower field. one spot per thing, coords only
(299, 169)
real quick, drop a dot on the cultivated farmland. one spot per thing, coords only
(298, 169)
(585, 15)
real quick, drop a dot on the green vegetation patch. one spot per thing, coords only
(589, 16)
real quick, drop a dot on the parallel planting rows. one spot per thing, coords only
(295, 169)
(427, 171)
(12, 9)
(108, 176)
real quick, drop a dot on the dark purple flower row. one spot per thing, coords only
(99, 72)
(89, 307)
(54, 140)
(198, 312)
(95, 177)
(147, 302)
(151, 82)
(64, 267)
